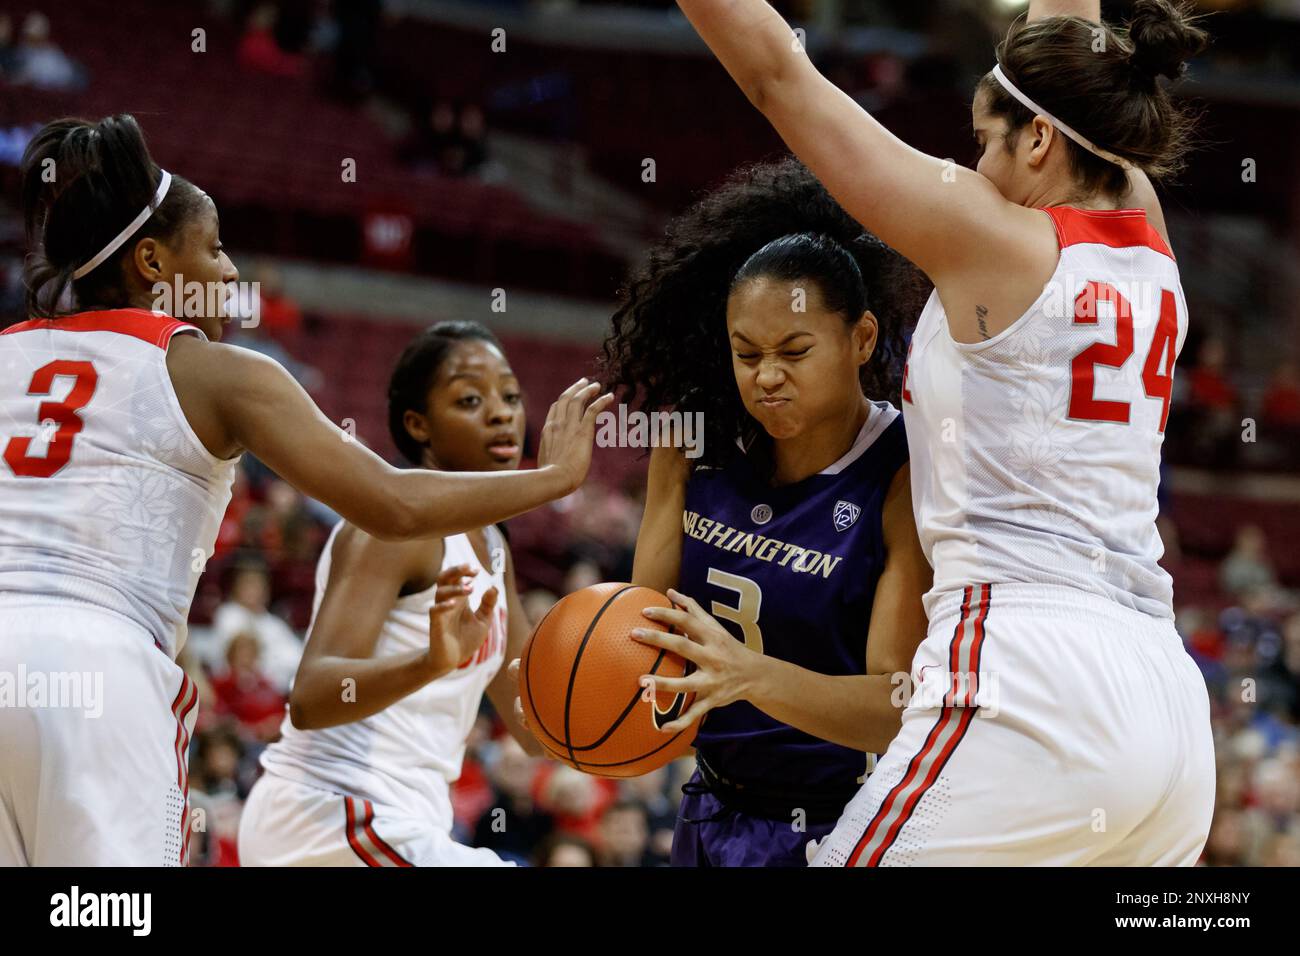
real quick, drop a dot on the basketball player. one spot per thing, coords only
(770, 311)
(1073, 728)
(120, 430)
(396, 662)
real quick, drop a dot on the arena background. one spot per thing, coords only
(520, 178)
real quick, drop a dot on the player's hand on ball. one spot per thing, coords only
(570, 431)
(722, 663)
(456, 632)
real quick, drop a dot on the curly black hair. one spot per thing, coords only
(668, 347)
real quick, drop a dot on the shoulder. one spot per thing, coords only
(881, 445)
(218, 363)
(353, 551)
(1113, 228)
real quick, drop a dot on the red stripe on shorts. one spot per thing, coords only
(351, 830)
(953, 720)
(186, 700)
(383, 847)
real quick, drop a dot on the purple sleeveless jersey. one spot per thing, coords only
(792, 571)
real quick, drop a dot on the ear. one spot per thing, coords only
(1044, 134)
(149, 261)
(865, 333)
(417, 425)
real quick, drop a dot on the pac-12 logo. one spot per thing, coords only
(846, 513)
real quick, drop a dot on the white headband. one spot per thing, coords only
(1078, 138)
(132, 226)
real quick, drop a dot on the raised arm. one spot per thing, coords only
(236, 399)
(942, 216)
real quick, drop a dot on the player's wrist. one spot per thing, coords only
(557, 480)
(755, 677)
(432, 664)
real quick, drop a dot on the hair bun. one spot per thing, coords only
(1164, 37)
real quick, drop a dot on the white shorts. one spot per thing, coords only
(95, 722)
(1082, 739)
(287, 823)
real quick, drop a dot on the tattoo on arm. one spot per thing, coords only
(981, 314)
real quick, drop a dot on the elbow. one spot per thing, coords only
(302, 714)
(299, 715)
(403, 523)
(882, 733)
(761, 91)
(395, 520)
(771, 88)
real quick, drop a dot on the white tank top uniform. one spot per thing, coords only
(109, 510)
(375, 792)
(1055, 716)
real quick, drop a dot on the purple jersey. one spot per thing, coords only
(792, 571)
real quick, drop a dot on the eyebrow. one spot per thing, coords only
(480, 375)
(791, 336)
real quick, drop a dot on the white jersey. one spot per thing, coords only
(1036, 454)
(406, 755)
(107, 497)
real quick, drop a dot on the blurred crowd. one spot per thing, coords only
(1243, 631)
(339, 41)
(1242, 628)
(30, 57)
(1215, 423)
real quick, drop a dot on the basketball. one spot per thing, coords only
(579, 683)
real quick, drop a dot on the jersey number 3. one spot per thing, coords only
(59, 418)
(1157, 370)
(745, 613)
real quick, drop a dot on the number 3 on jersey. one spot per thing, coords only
(62, 413)
(745, 613)
(1157, 370)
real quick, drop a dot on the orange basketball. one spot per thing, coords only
(579, 683)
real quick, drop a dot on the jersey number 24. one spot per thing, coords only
(1157, 370)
